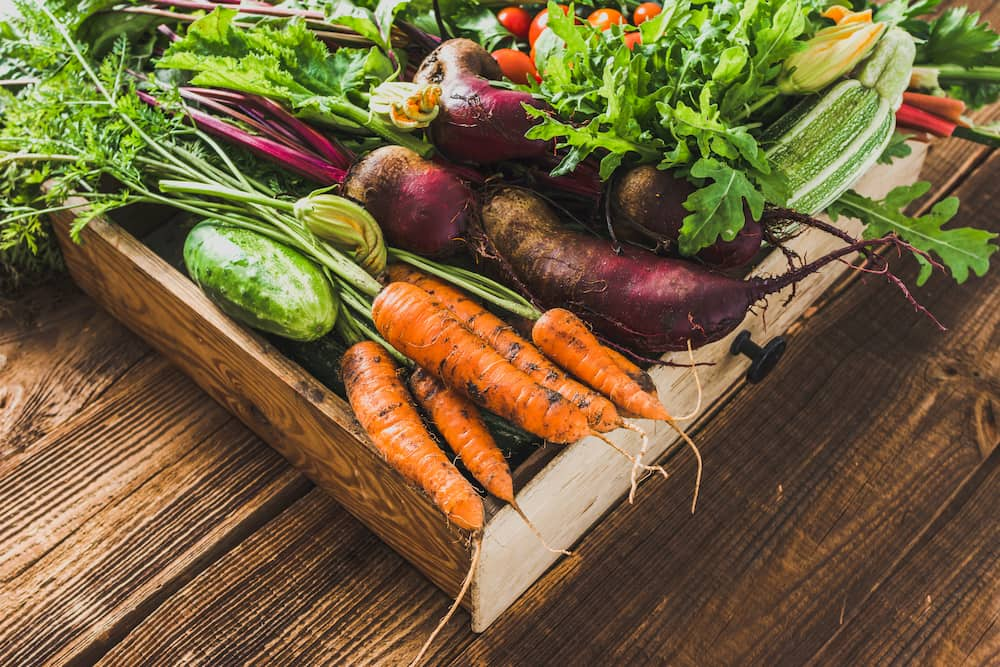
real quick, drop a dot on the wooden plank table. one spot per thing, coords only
(848, 513)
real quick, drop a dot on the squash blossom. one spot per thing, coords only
(345, 225)
(408, 106)
(831, 53)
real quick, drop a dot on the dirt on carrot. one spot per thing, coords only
(411, 322)
(601, 413)
(383, 407)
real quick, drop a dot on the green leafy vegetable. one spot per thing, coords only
(685, 99)
(289, 64)
(958, 54)
(957, 37)
(960, 249)
(897, 148)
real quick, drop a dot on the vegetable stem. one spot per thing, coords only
(364, 118)
(232, 194)
(486, 289)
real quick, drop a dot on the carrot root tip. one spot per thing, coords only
(538, 533)
(697, 456)
(477, 549)
(697, 383)
(638, 466)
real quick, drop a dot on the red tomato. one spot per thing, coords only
(633, 38)
(540, 23)
(603, 19)
(645, 11)
(516, 20)
(515, 65)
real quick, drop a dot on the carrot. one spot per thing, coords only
(463, 428)
(640, 376)
(601, 413)
(566, 340)
(945, 107)
(408, 319)
(383, 407)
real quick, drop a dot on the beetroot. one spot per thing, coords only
(420, 206)
(478, 123)
(647, 206)
(647, 303)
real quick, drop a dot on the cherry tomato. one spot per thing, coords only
(633, 38)
(515, 65)
(516, 20)
(646, 11)
(540, 23)
(603, 19)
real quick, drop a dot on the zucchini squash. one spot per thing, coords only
(824, 144)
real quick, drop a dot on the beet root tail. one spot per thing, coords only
(762, 287)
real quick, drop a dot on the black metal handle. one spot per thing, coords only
(762, 359)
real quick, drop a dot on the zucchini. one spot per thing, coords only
(260, 282)
(823, 145)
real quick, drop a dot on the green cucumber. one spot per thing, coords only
(260, 282)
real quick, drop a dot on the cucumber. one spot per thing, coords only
(260, 282)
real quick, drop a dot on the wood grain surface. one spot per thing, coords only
(58, 352)
(310, 588)
(941, 606)
(120, 506)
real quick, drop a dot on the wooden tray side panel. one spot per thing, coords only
(588, 478)
(311, 427)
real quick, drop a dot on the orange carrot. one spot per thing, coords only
(408, 319)
(640, 376)
(945, 107)
(601, 413)
(383, 407)
(566, 340)
(462, 427)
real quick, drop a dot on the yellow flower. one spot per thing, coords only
(831, 53)
(345, 225)
(407, 105)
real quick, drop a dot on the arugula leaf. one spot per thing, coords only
(896, 148)
(960, 249)
(684, 99)
(717, 209)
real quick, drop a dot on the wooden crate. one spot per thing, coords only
(565, 490)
